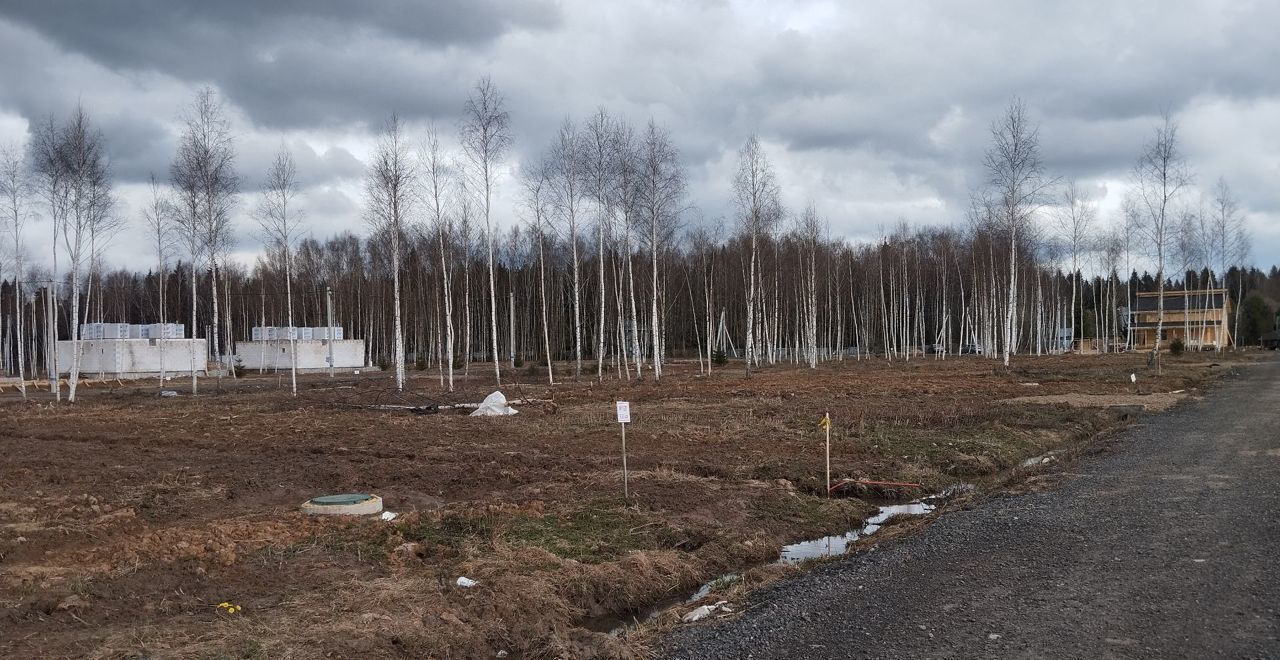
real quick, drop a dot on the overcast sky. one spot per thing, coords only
(875, 111)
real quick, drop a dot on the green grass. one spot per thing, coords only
(810, 513)
(592, 534)
(1003, 440)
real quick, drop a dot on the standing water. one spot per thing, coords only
(828, 546)
(791, 554)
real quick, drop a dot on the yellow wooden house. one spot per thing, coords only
(1201, 318)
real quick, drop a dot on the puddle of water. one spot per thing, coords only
(794, 553)
(828, 546)
(613, 625)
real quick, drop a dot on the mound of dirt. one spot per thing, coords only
(1156, 401)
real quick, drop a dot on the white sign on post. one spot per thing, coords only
(624, 418)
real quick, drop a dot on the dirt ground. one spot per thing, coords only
(136, 526)
(1157, 401)
(1155, 542)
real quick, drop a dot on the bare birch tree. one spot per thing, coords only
(52, 182)
(89, 216)
(486, 138)
(564, 180)
(436, 181)
(660, 186)
(1159, 176)
(759, 203)
(187, 227)
(15, 195)
(389, 191)
(1225, 238)
(537, 202)
(158, 218)
(463, 201)
(205, 181)
(1015, 174)
(1075, 224)
(281, 223)
(1235, 245)
(809, 231)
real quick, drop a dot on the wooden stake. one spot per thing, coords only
(624, 416)
(626, 490)
(826, 424)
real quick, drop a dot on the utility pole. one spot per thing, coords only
(328, 305)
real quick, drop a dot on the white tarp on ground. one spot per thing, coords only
(494, 405)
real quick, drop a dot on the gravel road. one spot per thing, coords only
(1163, 546)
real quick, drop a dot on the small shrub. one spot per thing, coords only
(719, 357)
(1176, 347)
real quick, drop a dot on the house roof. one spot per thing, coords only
(1177, 301)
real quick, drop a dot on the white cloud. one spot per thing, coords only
(875, 112)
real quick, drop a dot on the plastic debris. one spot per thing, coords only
(168, 393)
(389, 515)
(494, 405)
(466, 582)
(704, 611)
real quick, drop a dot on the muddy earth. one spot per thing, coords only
(139, 526)
(1161, 545)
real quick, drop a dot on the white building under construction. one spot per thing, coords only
(270, 349)
(124, 350)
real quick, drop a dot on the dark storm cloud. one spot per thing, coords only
(139, 146)
(294, 63)
(876, 111)
(189, 34)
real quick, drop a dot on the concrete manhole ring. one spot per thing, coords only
(345, 504)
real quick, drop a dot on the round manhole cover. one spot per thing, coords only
(345, 498)
(351, 504)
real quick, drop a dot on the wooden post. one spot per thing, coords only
(826, 424)
(624, 417)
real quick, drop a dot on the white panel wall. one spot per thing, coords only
(347, 354)
(269, 333)
(133, 357)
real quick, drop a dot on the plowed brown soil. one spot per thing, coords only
(127, 519)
